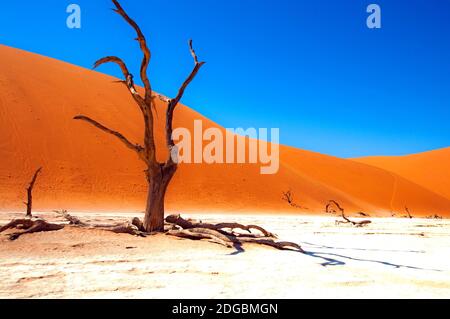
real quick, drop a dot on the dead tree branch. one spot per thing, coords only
(133, 228)
(330, 208)
(189, 224)
(29, 202)
(216, 233)
(172, 103)
(135, 147)
(29, 226)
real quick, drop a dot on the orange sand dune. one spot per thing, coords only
(85, 169)
(429, 169)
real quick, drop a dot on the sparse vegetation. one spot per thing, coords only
(435, 216)
(331, 207)
(289, 198)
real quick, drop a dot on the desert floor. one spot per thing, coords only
(391, 258)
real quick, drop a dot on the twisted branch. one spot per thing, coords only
(135, 147)
(172, 103)
(215, 233)
(144, 48)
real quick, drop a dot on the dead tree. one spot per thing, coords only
(158, 175)
(330, 208)
(29, 202)
(289, 198)
(407, 212)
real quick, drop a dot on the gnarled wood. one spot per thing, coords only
(133, 228)
(189, 223)
(191, 229)
(29, 226)
(159, 175)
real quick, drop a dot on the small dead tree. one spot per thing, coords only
(331, 207)
(29, 202)
(158, 175)
(289, 198)
(407, 212)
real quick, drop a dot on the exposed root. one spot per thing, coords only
(202, 233)
(29, 226)
(329, 209)
(282, 245)
(189, 223)
(134, 227)
(71, 219)
(190, 229)
(176, 226)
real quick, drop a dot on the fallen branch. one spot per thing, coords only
(329, 209)
(189, 223)
(190, 229)
(29, 226)
(133, 228)
(176, 226)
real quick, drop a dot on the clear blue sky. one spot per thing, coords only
(311, 68)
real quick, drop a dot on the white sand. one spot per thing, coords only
(391, 258)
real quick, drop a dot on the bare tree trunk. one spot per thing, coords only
(29, 202)
(159, 174)
(157, 188)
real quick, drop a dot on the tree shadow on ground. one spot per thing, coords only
(363, 249)
(331, 259)
(334, 259)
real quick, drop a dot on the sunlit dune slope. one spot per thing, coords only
(429, 169)
(86, 169)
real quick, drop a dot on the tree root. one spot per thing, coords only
(189, 223)
(176, 226)
(29, 226)
(202, 233)
(215, 233)
(134, 227)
